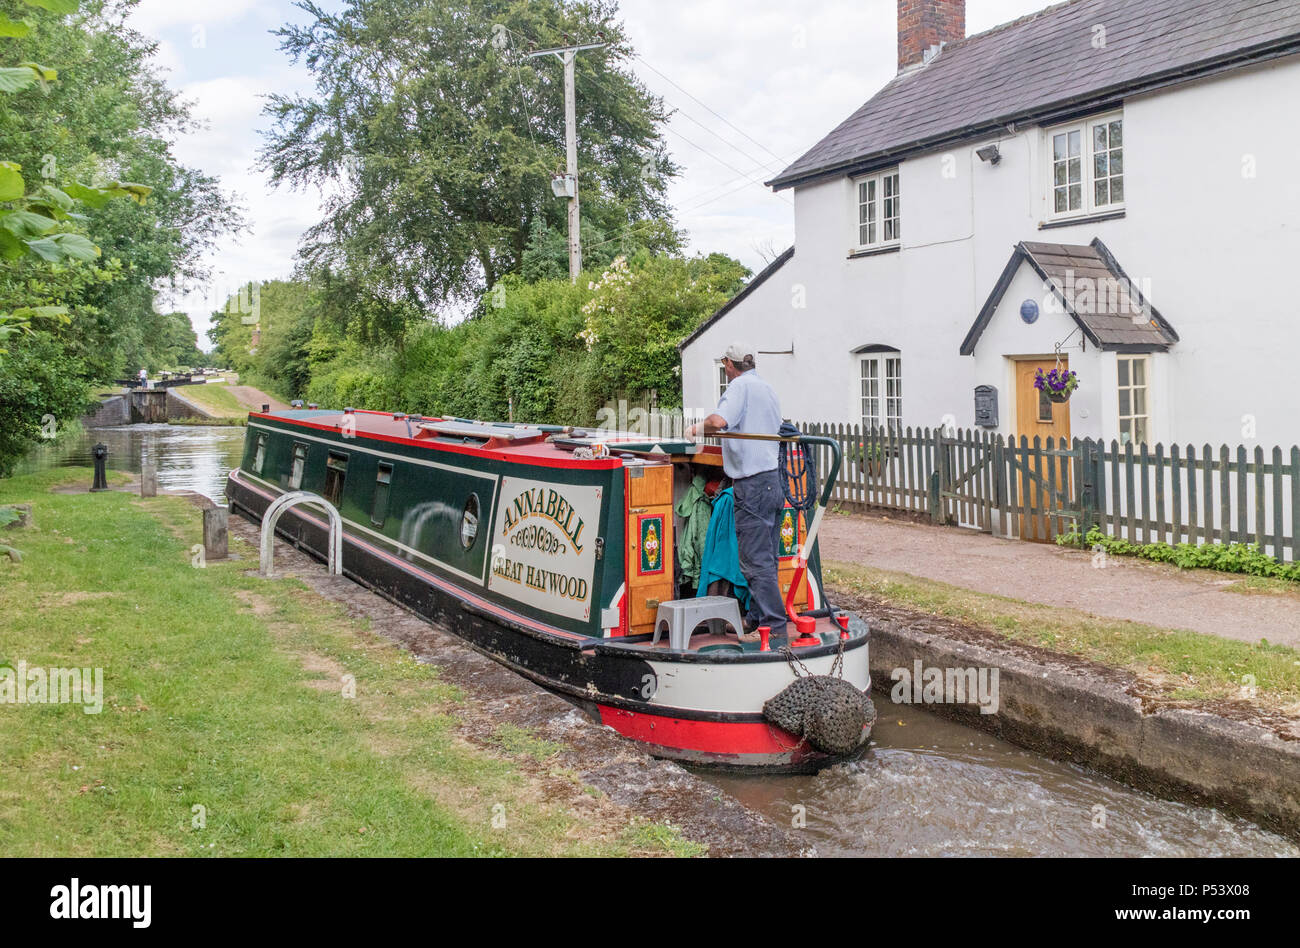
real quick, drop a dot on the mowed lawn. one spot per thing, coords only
(216, 397)
(225, 728)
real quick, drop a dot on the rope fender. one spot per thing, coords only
(827, 711)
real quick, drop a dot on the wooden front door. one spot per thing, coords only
(1042, 480)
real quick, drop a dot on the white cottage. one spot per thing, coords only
(1113, 187)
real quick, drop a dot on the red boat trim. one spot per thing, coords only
(497, 455)
(459, 591)
(711, 737)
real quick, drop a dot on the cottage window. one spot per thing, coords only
(1087, 166)
(879, 218)
(722, 380)
(882, 392)
(1134, 399)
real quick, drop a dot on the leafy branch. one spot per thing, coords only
(40, 225)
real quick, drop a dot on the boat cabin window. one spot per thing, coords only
(379, 508)
(469, 522)
(299, 464)
(336, 469)
(260, 457)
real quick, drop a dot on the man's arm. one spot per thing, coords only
(711, 425)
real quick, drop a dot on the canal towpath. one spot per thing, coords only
(1109, 587)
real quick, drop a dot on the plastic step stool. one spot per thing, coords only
(683, 616)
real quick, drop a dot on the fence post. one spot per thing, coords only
(937, 479)
(998, 514)
(1087, 486)
(936, 505)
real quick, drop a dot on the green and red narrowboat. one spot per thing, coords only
(550, 550)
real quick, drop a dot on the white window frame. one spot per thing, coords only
(722, 378)
(1088, 155)
(1133, 417)
(886, 391)
(885, 196)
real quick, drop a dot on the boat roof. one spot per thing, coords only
(546, 445)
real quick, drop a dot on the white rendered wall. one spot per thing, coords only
(1216, 244)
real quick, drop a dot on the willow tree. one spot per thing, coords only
(435, 139)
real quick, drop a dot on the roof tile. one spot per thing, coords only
(1045, 62)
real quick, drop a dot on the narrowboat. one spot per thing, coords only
(554, 551)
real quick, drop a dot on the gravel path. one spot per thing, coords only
(253, 399)
(1122, 588)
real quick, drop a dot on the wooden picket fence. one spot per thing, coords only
(1036, 489)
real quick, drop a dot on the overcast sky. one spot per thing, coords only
(754, 84)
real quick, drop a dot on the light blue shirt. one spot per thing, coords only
(749, 406)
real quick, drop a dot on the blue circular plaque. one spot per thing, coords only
(1029, 311)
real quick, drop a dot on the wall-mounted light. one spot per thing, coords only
(990, 153)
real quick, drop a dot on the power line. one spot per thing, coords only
(746, 178)
(716, 115)
(600, 82)
(780, 160)
(701, 148)
(677, 110)
(637, 228)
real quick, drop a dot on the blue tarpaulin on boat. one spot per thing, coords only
(722, 551)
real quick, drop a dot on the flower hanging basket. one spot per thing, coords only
(1057, 384)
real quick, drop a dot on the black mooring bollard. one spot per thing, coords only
(100, 452)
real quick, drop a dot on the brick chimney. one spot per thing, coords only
(923, 24)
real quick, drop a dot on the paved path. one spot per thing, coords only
(253, 399)
(1125, 588)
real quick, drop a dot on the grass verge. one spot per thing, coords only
(226, 727)
(1191, 666)
(216, 398)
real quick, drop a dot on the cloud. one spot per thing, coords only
(154, 16)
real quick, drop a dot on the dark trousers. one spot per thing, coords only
(758, 505)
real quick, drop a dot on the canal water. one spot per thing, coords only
(188, 457)
(927, 787)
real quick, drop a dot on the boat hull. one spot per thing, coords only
(699, 709)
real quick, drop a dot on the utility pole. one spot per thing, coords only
(568, 186)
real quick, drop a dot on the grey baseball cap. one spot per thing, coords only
(738, 352)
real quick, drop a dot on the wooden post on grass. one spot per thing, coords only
(149, 479)
(216, 536)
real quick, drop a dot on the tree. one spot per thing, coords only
(39, 226)
(642, 309)
(283, 314)
(436, 141)
(109, 120)
(546, 351)
(79, 270)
